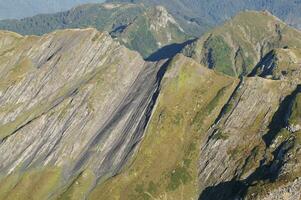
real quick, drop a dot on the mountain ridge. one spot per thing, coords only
(216, 12)
(238, 45)
(84, 117)
(144, 29)
(26, 8)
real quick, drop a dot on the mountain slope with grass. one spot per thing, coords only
(166, 166)
(25, 8)
(237, 46)
(203, 14)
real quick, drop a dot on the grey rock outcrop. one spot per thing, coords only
(238, 151)
(72, 99)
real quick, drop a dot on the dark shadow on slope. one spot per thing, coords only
(268, 62)
(237, 189)
(226, 106)
(280, 118)
(168, 51)
(224, 191)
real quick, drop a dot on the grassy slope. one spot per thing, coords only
(166, 164)
(237, 46)
(33, 185)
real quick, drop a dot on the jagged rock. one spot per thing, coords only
(294, 128)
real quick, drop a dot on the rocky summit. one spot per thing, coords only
(84, 117)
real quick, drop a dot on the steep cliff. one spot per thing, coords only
(280, 64)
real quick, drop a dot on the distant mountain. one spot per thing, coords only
(237, 46)
(144, 29)
(24, 8)
(213, 12)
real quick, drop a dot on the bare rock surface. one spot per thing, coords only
(250, 152)
(72, 99)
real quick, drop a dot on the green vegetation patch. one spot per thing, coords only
(35, 184)
(219, 55)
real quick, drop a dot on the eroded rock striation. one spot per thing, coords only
(73, 100)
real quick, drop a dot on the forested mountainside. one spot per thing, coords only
(144, 29)
(25, 8)
(214, 12)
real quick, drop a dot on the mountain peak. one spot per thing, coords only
(161, 18)
(237, 46)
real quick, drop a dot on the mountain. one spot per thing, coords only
(214, 12)
(24, 8)
(84, 117)
(73, 106)
(166, 166)
(144, 29)
(76, 104)
(186, 12)
(237, 46)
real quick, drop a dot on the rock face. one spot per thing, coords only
(72, 100)
(237, 46)
(253, 149)
(144, 29)
(237, 142)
